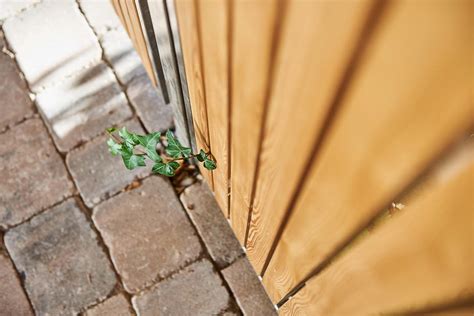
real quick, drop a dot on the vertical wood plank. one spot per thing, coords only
(467, 310)
(186, 12)
(317, 42)
(128, 15)
(214, 34)
(122, 4)
(254, 24)
(420, 258)
(407, 102)
(138, 40)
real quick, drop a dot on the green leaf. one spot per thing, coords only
(114, 148)
(175, 165)
(149, 143)
(175, 149)
(166, 169)
(209, 164)
(201, 156)
(130, 160)
(110, 130)
(129, 138)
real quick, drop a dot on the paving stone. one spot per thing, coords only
(97, 173)
(197, 290)
(33, 174)
(13, 300)
(82, 106)
(120, 53)
(2, 40)
(115, 306)
(64, 267)
(150, 105)
(15, 103)
(100, 14)
(247, 288)
(211, 224)
(51, 41)
(11, 7)
(147, 232)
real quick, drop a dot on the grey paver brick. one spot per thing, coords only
(120, 53)
(247, 288)
(150, 105)
(13, 300)
(82, 106)
(101, 15)
(197, 290)
(64, 267)
(97, 173)
(15, 103)
(51, 41)
(147, 232)
(33, 174)
(2, 40)
(115, 306)
(230, 314)
(211, 225)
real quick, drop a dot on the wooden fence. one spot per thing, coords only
(325, 116)
(129, 14)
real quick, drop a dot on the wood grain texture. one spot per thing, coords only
(320, 36)
(252, 42)
(128, 14)
(215, 52)
(455, 311)
(122, 5)
(420, 258)
(186, 11)
(410, 97)
(139, 41)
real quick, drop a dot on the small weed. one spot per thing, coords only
(135, 149)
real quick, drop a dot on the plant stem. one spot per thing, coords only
(192, 156)
(116, 139)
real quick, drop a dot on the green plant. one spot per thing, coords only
(134, 148)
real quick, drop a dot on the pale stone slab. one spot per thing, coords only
(120, 53)
(64, 267)
(33, 175)
(100, 14)
(115, 306)
(197, 290)
(51, 41)
(13, 300)
(147, 232)
(11, 7)
(97, 173)
(83, 106)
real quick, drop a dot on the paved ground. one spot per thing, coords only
(80, 233)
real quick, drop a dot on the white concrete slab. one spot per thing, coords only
(121, 54)
(82, 106)
(101, 15)
(51, 42)
(11, 7)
